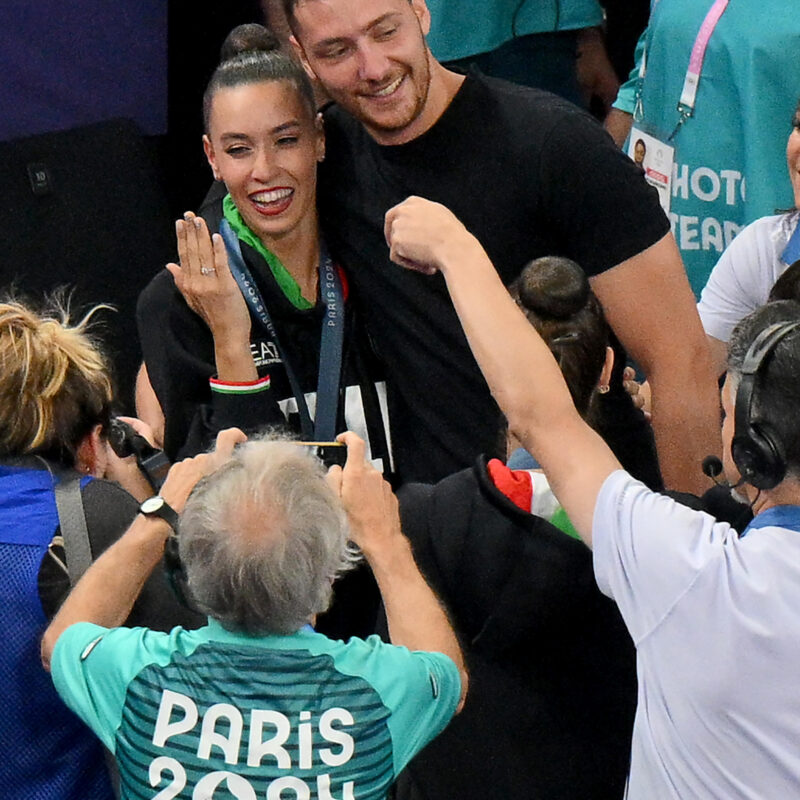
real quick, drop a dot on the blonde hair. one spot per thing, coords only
(54, 381)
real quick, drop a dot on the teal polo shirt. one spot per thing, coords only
(189, 712)
(471, 27)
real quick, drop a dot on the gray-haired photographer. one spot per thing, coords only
(257, 701)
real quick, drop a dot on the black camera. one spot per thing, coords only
(125, 441)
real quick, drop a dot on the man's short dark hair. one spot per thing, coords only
(777, 393)
(787, 287)
(288, 9)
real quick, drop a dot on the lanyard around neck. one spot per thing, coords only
(691, 81)
(331, 342)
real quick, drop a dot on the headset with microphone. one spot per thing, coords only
(712, 467)
(756, 452)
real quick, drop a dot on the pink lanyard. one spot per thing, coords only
(692, 80)
(690, 84)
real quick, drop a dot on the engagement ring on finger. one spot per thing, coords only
(207, 270)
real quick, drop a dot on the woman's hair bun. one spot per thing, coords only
(248, 38)
(552, 287)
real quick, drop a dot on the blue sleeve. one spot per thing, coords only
(649, 550)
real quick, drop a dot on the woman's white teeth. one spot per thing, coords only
(272, 196)
(389, 89)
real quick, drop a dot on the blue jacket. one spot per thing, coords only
(48, 753)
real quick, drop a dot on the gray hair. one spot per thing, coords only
(263, 538)
(777, 393)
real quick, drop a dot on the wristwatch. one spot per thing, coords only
(157, 506)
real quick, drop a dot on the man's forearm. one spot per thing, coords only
(415, 617)
(107, 591)
(650, 306)
(685, 415)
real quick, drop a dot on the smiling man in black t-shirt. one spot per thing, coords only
(529, 175)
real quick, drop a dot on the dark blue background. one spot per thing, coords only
(65, 63)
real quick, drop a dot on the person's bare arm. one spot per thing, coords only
(650, 306)
(719, 354)
(148, 409)
(106, 593)
(518, 366)
(618, 124)
(415, 617)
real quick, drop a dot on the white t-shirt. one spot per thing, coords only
(716, 622)
(745, 273)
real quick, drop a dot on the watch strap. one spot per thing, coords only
(162, 509)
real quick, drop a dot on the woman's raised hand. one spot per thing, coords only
(205, 281)
(424, 236)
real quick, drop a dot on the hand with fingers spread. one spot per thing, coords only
(424, 236)
(204, 279)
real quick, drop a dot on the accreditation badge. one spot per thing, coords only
(654, 158)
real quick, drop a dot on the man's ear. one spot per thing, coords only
(423, 15)
(301, 57)
(208, 149)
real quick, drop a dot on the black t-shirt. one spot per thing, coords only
(529, 175)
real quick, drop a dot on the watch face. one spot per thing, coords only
(152, 504)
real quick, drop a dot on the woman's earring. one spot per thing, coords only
(604, 388)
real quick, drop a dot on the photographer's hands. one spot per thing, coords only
(414, 615)
(184, 475)
(125, 471)
(368, 499)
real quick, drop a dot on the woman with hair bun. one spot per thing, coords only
(55, 410)
(253, 327)
(555, 295)
(552, 670)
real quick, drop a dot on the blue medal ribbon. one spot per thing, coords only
(331, 342)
